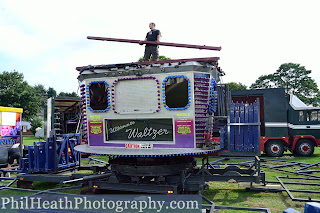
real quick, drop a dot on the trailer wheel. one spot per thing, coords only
(304, 148)
(275, 148)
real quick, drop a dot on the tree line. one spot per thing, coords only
(294, 78)
(16, 92)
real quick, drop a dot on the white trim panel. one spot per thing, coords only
(276, 124)
(292, 126)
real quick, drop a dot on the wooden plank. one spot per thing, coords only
(201, 47)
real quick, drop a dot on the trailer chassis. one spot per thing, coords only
(161, 179)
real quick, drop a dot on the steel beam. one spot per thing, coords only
(43, 177)
(146, 188)
(267, 210)
(302, 191)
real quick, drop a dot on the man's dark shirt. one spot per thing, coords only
(152, 36)
(14, 153)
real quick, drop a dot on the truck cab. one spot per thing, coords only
(304, 126)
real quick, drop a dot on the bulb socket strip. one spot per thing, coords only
(130, 79)
(201, 94)
(201, 116)
(204, 83)
(213, 97)
(164, 92)
(83, 113)
(155, 156)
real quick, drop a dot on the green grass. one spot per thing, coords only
(30, 139)
(235, 194)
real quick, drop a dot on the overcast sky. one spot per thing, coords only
(46, 40)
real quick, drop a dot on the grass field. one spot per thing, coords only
(235, 194)
(29, 140)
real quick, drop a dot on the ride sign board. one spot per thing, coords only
(139, 130)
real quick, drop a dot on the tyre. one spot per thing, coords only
(274, 148)
(304, 148)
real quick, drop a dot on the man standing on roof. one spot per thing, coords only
(152, 49)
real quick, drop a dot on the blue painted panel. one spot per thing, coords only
(291, 210)
(31, 158)
(65, 150)
(39, 156)
(256, 128)
(246, 128)
(237, 130)
(250, 128)
(244, 138)
(50, 158)
(312, 207)
(232, 105)
(241, 141)
(24, 164)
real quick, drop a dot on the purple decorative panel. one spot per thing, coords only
(185, 133)
(96, 133)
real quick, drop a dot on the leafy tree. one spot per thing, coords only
(67, 94)
(15, 92)
(161, 58)
(42, 92)
(51, 92)
(294, 78)
(237, 86)
(35, 123)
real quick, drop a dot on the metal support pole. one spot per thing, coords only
(21, 139)
(54, 138)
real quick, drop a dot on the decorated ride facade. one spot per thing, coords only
(151, 119)
(149, 109)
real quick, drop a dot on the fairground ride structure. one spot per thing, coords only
(153, 119)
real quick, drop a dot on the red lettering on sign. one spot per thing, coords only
(132, 146)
